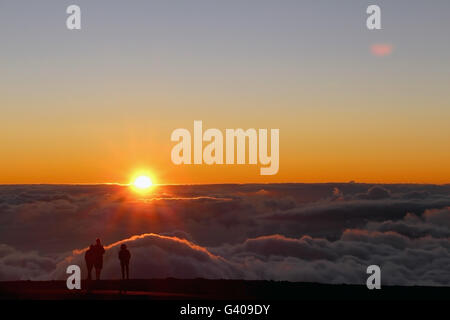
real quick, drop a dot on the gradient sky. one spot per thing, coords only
(97, 105)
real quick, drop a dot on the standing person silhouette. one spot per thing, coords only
(89, 258)
(98, 258)
(124, 257)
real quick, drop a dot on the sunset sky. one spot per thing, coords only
(99, 104)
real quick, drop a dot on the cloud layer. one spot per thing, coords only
(325, 233)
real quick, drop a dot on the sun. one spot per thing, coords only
(142, 183)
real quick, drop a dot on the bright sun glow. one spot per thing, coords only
(142, 182)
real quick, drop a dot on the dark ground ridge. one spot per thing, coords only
(205, 289)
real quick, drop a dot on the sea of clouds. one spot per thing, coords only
(326, 233)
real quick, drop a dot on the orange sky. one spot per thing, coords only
(98, 105)
(388, 139)
(308, 153)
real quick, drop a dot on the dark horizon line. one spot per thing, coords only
(224, 183)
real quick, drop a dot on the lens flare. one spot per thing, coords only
(381, 49)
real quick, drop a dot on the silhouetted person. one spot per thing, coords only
(98, 258)
(89, 258)
(124, 257)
